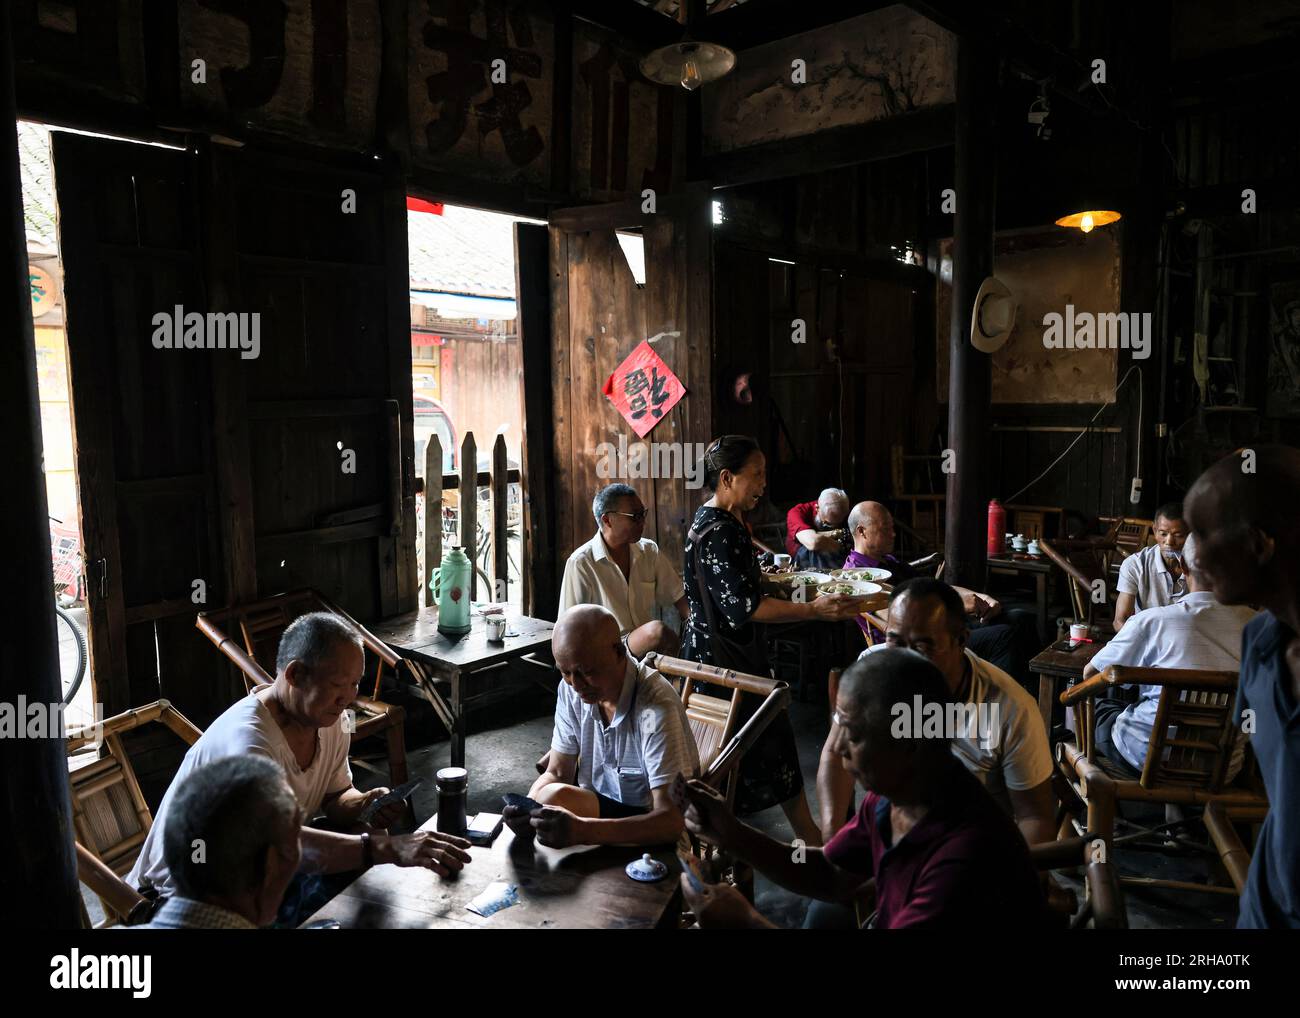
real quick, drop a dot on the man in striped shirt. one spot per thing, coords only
(621, 739)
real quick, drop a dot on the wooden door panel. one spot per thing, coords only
(129, 238)
(335, 370)
(598, 317)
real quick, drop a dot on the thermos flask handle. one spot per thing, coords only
(433, 583)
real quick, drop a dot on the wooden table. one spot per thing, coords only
(1055, 666)
(436, 657)
(572, 888)
(1040, 569)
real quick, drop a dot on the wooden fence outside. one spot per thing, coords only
(466, 481)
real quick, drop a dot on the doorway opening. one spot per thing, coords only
(45, 281)
(466, 379)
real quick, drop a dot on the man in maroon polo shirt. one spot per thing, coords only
(929, 846)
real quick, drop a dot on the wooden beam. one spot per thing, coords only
(922, 131)
(37, 857)
(970, 373)
(762, 21)
(622, 215)
(533, 293)
(629, 20)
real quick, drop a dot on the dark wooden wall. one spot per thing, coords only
(826, 410)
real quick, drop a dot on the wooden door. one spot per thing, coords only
(324, 478)
(599, 316)
(129, 231)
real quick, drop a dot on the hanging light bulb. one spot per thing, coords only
(1090, 220)
(691, 77)
(688, 63)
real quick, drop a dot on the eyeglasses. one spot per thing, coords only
(638, 517)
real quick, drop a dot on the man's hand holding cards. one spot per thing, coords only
(518, 812)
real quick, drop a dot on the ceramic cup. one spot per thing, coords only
(1078, 632)
(496, 628)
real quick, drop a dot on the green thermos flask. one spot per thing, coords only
(450, 586)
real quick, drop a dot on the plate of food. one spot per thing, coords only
(805, 578)
(871, 574)
(854, 588)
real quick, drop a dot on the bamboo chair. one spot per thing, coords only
(1130, 534)
(1103, 905)
(1084, 562)
(713, 723)
(1186, 768)
(262, 623)
(110, 817)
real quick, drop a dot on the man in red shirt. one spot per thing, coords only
(929, 846)
(814, 531)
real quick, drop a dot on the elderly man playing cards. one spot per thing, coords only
(621, 741)
(297, 722)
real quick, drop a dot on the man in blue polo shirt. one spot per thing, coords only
(1243, 511)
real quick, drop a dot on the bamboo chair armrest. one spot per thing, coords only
(1051, 855)
(123, 899)
(376, 706)
(694, 671)
(1064, 564)
(373, 643)
(233, 651)
(1122, 675)
(1087, 688)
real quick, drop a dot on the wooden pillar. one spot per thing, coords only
(969, 387)
(36, 853)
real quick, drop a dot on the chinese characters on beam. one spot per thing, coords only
(643, 389)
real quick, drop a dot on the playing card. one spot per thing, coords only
(398, 794)
(677, 793)
(496, 896)
(522, 801)
(691, 867)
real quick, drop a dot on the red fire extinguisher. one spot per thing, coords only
(997, 528)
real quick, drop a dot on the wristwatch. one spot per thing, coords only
(367, 851)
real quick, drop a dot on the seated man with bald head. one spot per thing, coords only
(1243, 514)
(621, 738)
(1007, 639)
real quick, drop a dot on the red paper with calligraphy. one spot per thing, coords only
(643, 389)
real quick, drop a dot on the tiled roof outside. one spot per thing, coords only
(462, 251)
(39, 207)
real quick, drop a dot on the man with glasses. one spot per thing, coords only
(624, 572)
